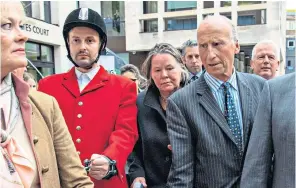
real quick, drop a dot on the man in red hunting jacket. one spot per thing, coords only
(99, 108)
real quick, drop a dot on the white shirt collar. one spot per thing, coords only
(91, 74)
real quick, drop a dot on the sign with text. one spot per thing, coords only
(35, 29)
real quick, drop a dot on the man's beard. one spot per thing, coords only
(86, 63)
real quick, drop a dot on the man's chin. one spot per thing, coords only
(84, 64)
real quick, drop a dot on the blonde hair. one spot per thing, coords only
(5, 6)
(163, 48)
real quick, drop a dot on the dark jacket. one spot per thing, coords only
(151, 157)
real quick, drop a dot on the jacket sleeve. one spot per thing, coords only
(125, 135)
(136, 167)
(183, 152)
(72, 173)
(258, 159)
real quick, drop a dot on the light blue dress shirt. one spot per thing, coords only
(217, 90)
(84, 78)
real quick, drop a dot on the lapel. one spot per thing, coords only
(151, 100)
(97, 82)
(22, 91)
(246, 103)
(71, 84)
(208, 101)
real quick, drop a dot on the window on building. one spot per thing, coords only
(291, 43)
(252, 17)
(47, 12)
(180, 23)
(114, 16)
(291, 25)
(149, 25)
(28, 8)
(41, 56)
(227, 14)
(289, 63)
(225, 4)
(208, 4)
(205, 15)
(172, 6)
(250, 2)
(149, 7)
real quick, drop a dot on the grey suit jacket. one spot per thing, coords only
(204, 153)
(273, 133)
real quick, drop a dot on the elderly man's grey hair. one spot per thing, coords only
(268, 42)
(234, 35)
(188, 43)
(163, 48)
(133, 69)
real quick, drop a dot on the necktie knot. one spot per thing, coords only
(226, 85)
(193, 78)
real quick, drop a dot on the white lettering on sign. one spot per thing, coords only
(35, 29)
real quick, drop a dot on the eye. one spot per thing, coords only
(216, 44)
(22, 27)
(6, 26)
(170, 68)
(203, 45)
(89, 40)
(75, 40)
(271, 57)
(261, 57)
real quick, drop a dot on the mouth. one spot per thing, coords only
(265, 68)
(19, 50)
(165, 83)
(214, 64)
(83, 55)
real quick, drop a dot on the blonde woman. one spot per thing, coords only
(36, 149)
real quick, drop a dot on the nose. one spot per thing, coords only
(82, 46)
(21, 36)
(164, 74)
(266, 60)
(211, 52)
(193, 59)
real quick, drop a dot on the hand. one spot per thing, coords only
(170, 147)
(99, 166)
(141, 180)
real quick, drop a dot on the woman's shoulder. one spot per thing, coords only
(41, 100)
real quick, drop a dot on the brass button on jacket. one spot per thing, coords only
(45, 169)
(35, 139)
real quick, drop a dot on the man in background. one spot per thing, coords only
(191, 59)
(265, 59)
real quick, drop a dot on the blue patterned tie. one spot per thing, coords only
(231, 115)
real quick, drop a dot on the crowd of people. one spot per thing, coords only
(187, 119)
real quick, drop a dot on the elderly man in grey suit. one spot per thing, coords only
(273, 134)
(209, 120)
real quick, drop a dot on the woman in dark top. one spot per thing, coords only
(151, 159)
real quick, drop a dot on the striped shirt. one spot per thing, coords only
(217, 90)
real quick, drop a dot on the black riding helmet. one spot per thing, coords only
(85, 17)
